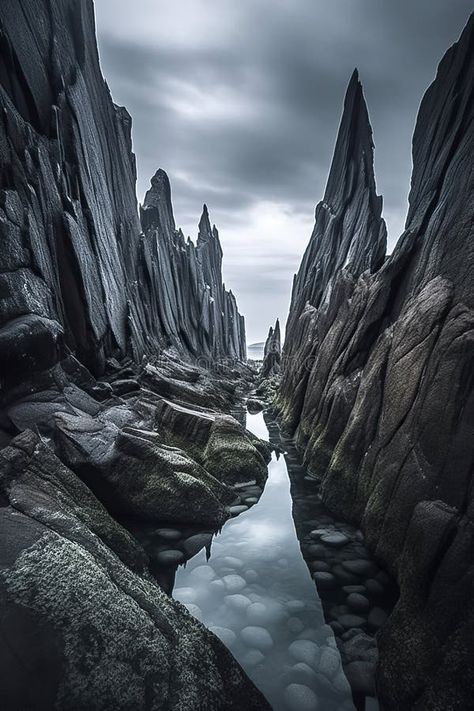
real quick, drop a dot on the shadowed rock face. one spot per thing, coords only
(187, 296)
(383, 405)
(272, 352)
(349, 235)
(72, 251)
(100, 317)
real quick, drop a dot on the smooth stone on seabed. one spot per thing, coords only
(237, 602)
(357, 602)
(267, 613)
(169, 557)
(168, 534)
(194, 544)
(233, 583)
(358, 566)
(325, 581)
(252, 658)
(303, 650)
(225, 635)
(377, 618)
(334, 539)
(238, 509)
(300, 698)
(257, 637)
(348, 621)
(203, 573)
(329, 662)
(295, 625)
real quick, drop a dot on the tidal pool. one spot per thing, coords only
(255, 593)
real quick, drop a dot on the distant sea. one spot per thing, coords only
(255, 351)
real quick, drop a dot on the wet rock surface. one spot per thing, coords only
(377, 389)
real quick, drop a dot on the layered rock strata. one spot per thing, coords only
(105, 408)
(378, 389)
(76, 270)
(272, 352)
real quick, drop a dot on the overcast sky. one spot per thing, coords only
(240, 100)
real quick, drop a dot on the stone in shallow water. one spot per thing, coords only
(267, 613)
(373, 587)
(237, 602)
(194, 544)
(296, 605)
(377, 618)
(295, 625)
(225, 635)
(359, 566)
(299, 697)
(170, 557)
(229, 561)
(348, 621)
(233, 583)
(203, 573)
(325, 581)
(329, 662)
(303, 650)
(168, 534)
(236, 510)
(252, 658)
(257, 637)
(357, 602)
(320, 566)
(251, 576)
(334, 539)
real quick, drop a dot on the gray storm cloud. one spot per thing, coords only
(240, 104)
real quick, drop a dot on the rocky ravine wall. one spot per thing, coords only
(89, 429)
(75, 267)
(378, 381)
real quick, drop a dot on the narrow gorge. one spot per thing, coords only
(184, 528)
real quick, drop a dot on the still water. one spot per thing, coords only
(255, 593)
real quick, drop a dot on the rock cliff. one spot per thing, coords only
(76, 270)
(378, 387)
(272, 352)
(105, 407)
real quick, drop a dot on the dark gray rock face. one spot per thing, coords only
(187, 296)
(378, 388)
(73, 252)
(103, 321)
(272, 352)
(83, 623)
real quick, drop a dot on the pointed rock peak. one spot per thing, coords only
(204, 224)
(354, 151)
(157, 210)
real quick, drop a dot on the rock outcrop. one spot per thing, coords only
(105, 406)
(272, 352)
(186, 296)
(76, 270)
(84, 625)
(378, 385)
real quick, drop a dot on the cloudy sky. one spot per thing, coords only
(240, 100)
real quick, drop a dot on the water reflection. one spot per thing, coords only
(255, 592)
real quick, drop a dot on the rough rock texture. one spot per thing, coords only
(378, 389)
(108, 329)
(272, 352)
(83, 624)
(75, 268)
(187, 296)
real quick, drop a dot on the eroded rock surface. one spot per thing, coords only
(377, 382)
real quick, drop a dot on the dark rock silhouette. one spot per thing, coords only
(104, 401)
(378, 385)
(75, 265)
(272, 352)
